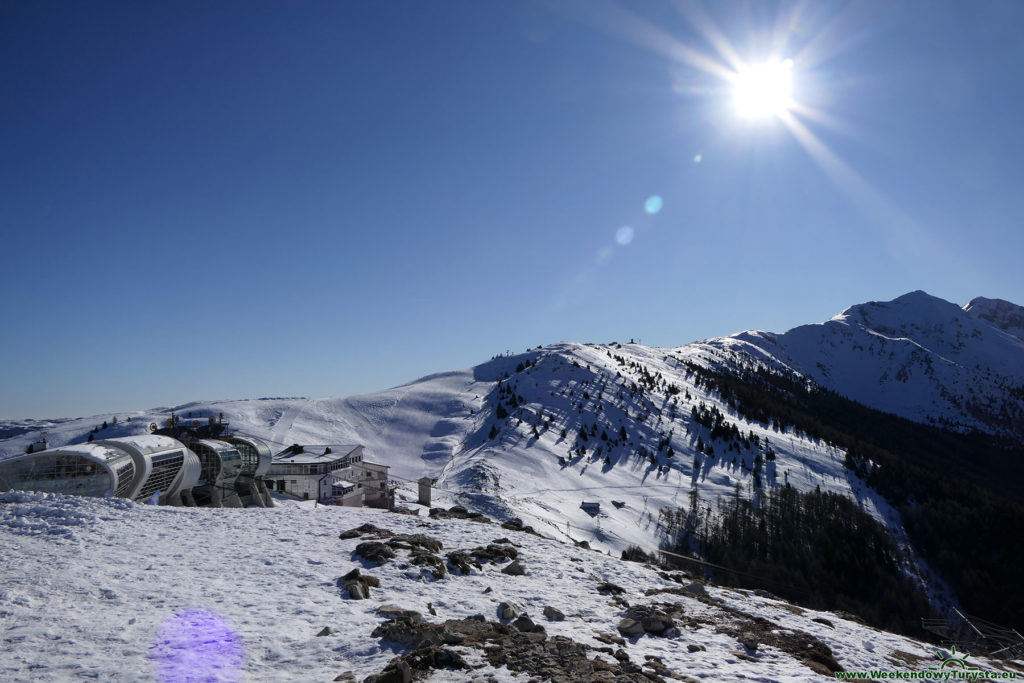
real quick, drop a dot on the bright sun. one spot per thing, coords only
(763, 90)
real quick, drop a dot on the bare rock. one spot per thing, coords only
(630, 627)
(458, 512)
(553, 614)
(514, 524)
(462, 561)
(513, 568)
(397, 671)
(495, 553)
(357, 591)
(395, 612)
(651, 619)
(374, 551)
(364, 530)
(609, 638)
(423, 558)
(357, 585)
(508, 610)
(410, 541)
(524, 624)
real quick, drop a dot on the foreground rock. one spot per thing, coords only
(553, 614)
(458, 512)
(647, 619)
(514, 568)
(357, 585)
(508, 610)
(557, 659)
(374, 552)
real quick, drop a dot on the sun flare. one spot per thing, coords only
(764, 90)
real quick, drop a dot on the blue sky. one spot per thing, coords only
(238, 199)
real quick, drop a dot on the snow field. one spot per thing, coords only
(95, 589)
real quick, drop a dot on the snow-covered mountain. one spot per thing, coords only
(536, 434)
(1008, 317)
(916, 356)
(640, 430)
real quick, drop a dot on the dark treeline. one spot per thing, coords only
(817, 549)
(959, 494)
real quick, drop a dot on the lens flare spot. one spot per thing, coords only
(624, 235)
(197, 645)
(653, 204)
(697, 158)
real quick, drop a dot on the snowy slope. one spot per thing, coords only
(536, 434)
(438, 426)
(108, 590)
(916, 356)
(1008, 317)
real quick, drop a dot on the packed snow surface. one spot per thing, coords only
(104, 589)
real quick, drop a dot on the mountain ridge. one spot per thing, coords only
(917, 356)
(638, 429)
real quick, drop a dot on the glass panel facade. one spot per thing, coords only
(58, 473)
(231, 464)
(165, 468)
(125, 479)
(210, 462)
(250, 458)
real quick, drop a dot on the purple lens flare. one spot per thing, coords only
(197, 645)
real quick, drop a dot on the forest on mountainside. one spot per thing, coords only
(961, 495)
(817, 549)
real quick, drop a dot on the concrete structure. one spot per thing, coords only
(345, 492)
(373, 479)
(426, 484)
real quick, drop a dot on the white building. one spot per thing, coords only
(330, 474)
(143, 468)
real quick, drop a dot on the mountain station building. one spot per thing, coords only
(330, 473)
